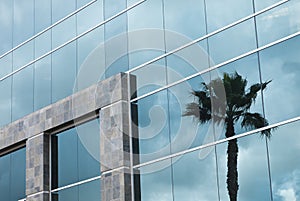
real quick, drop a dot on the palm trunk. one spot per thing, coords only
(232, 155)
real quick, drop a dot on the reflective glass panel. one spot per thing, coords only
(259, 5)
(5, 101)
(282, 67)
(251, 168)
(12, 175)
(284, 162)
(61, 9)
(42, 44)
(63, 72)
(23, 27)
(88, 191)
(116, 48)
(155, 182)
(18, 171)
(42, 83)
(81, 3)
(111, 9)
(23, 55)
(6, 20)
(90, 59)
(186, 129)
(195, 176)
(146, 83)
(153, 126)
(22, 93)
(75, 155)
(232, 42)
(188, 61)
(5, 167)
(5, 89)
(42, 14)
(248, 69)
(146, 34)
(188, 21)
(223, 12)
(64, 32)
(89, 17)
(282, 20)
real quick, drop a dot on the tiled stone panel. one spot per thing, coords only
(116, 186)
(39, 197)
(114, 136)
(37, 164)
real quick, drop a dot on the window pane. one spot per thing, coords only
(89, 17)
(42, 83)
(252, 169)
(144, 43)
(116, 48)
(22, 93)
(282, 20)
(42, 15)
(42, 44)
(63, 72)
(61, 9)
(23, 55)
(186, 131)
(187, 61)
(6, 16)
(189, 20)
(64, 32)
(23, 20)
(232, 42)
(259, 5)
(111, 9)
(5, 101)
(76, 154)
(195, 176)
(18, 171)
(153, 127)
(285, 170)
(282, 67)
(12, 175)
(146, 83)
(5, 168)
(90, 59)
(223, 12)
(90, 191)
(155, 182)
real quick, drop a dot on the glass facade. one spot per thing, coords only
(216, 105)
(12, 175)
(76, 163)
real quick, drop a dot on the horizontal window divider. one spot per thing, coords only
(218, 142)
(72, 40)
(34, 194)
(76, 184)
(115, 170)
(48, 28)
(218, 65)
(207, 36)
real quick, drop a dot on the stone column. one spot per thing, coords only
(37, 168)
(115, 152)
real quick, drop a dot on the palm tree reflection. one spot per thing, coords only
(236, 108)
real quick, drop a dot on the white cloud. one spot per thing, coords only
(287, 194)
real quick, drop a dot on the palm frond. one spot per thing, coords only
(254, 121)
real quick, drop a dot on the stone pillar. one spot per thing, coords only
(115, 152)
(37, 168)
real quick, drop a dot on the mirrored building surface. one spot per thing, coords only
(142, 100)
